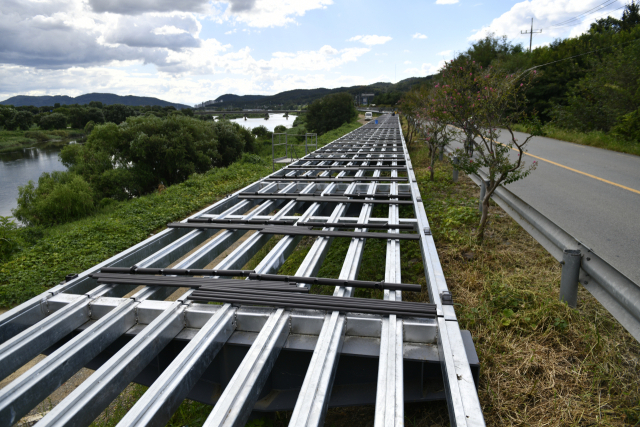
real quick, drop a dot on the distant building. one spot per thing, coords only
(364, 98)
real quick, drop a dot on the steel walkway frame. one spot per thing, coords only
(80, 321)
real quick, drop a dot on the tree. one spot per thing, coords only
(6, 113)
(117, 113)
(53, 121)
(133, 158)
(59, 197)
(484, 103)
(21, 120)
(330, 112)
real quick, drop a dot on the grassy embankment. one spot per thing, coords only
(48, 254)
(594, 139)
(16, 139)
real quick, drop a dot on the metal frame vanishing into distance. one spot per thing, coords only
(251, 359)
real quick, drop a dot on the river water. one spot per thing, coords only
(274, 120)
(19, 166)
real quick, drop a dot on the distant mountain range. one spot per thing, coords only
(289, 98)
(105, 98)
(306, 96)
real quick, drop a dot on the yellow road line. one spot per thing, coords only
(573, 170)
(580, 172)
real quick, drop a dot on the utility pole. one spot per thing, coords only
(532, 32)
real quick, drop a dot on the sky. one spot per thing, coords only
(190, 51)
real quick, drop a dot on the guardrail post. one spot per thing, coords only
(441, 155)
(455, 169)
(571, 259)
(483, 191)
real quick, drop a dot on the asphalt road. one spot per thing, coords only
(593, 194)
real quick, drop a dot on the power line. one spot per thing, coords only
(576, 56)
(603, 14)
(578, 17)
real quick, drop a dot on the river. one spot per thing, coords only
(19, 166)
(274, 120)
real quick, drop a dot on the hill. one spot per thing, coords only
(298, 97)
(105, 98)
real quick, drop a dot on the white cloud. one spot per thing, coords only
(270, 13)
(419, 36)
(426, 69)
(445, 53)
(408, 62)
(446, 1)
(370, 40)
(546, 14)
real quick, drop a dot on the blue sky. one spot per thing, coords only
(191, 51)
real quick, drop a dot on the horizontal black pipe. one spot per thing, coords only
(304, 231)
(343, 179)
(385, 226)
(337, 282)
(314, 305)
(409, 307)
(176, 271)
(402, 196)
(325, 199)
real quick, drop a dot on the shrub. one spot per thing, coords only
(251, 159)
(8, 237)
(89, 127)
(628, 126)
(53, 121)
(261, 131)
(280, 129)
(330, 112)
(59, 197)
(37, 135)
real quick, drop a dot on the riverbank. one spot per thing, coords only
(595, 139)
(48, 254)
(16, 139)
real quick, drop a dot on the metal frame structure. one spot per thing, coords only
(246, 358)
(287, 147)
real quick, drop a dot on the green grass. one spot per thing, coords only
(594, 139)
(16, 139)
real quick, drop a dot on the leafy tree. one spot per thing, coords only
(330, 112)
(6, 114)
(89, 127)
(53, 121)
(59, 197)
(117, 113)
(133, 158)
(484, 103)
(95, 104)
(20, 120)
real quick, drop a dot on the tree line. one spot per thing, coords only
(78, 116)
(586, 83)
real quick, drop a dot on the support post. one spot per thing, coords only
(456, 161)
(569, 281)
(273, 154)
(441, 155)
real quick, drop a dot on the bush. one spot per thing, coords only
(37, 135)
(330, 112)
(8, 237)
(261, 131)
(59, 197)
(251, 159)
(89, 127)
(53, 121)
(280, 129)
(628, 126)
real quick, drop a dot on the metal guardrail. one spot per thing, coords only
(616, 292)
(239, 357)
